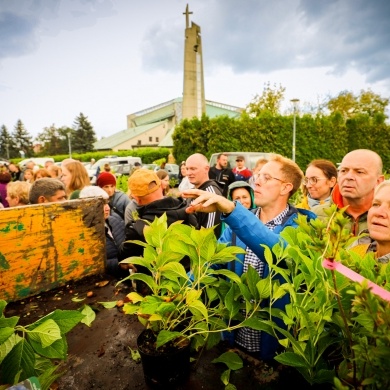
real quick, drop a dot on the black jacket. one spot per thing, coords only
(115, 236)
(208, 220)
(173, 207)
(223, 177)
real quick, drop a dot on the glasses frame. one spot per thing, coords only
(312, 180)
(265, 180)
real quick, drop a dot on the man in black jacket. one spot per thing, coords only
(222, 174)
(198, 174)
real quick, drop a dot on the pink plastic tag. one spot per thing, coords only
(334, 265)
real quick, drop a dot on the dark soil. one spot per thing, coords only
(99, 357)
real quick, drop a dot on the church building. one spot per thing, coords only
(154, 126)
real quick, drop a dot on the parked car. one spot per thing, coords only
(153, 167)
(121, 169)
(172, 169)
(129, 160)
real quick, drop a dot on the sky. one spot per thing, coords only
(110, 58)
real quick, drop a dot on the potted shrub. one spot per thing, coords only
(337, 331)
(188, 309)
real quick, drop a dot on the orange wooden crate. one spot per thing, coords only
(45, 246)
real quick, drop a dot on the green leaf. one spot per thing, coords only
(198, 307)
(291, 359)
(146, 279)
(225, 377)
(65, 319)
(9, 322)
(49, 376)
(5, 333)
(89, 315)
(135, 355)
(165, 336)
(173, 271)
(3, 305)
(228, 274)
(229, 299)
(231, 359)
(252, 279)
(108, 305)
(46, 333)
(7, 345)
(263, 287)
(57, 350)
(366, 320)
(78, 299)
(20, 359)
(258, 324)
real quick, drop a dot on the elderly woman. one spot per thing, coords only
(17, 193)
(378, 222)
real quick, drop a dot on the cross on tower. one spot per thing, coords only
(187, 14)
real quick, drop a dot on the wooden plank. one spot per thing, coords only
(45, 246)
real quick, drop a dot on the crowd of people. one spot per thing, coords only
(247, 208)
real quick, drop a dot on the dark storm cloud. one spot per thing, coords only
(21, 21)
(265, 36)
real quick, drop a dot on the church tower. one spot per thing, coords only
(194, 104)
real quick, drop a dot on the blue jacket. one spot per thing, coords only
(251, 232)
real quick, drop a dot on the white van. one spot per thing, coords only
(37, 160)
(112, 160)
(250, 158)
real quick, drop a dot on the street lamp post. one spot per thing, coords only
(295, 103)
(69, 144)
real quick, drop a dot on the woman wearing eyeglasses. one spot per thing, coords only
(318, 183)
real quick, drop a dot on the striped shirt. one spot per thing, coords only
(249, 338)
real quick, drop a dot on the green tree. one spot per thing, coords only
(53, 141)
(84, 135)
(22, 139)
(372, 104)
(349, 105)
(344, 103)
(7, 146)
(269, 101)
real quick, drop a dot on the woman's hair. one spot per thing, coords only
(180, 175)
(107, 167)
(20, 189)
(30, 171)
(55, 171)
(5, 177)
(42, 172)
(80, 178)
(162, 174)
(326, 166)
(385, 183)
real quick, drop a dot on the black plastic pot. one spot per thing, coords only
(163, 369)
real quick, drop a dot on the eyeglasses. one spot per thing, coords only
(264, 178)
(311, 180)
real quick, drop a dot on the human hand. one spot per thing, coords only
(207, 202)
